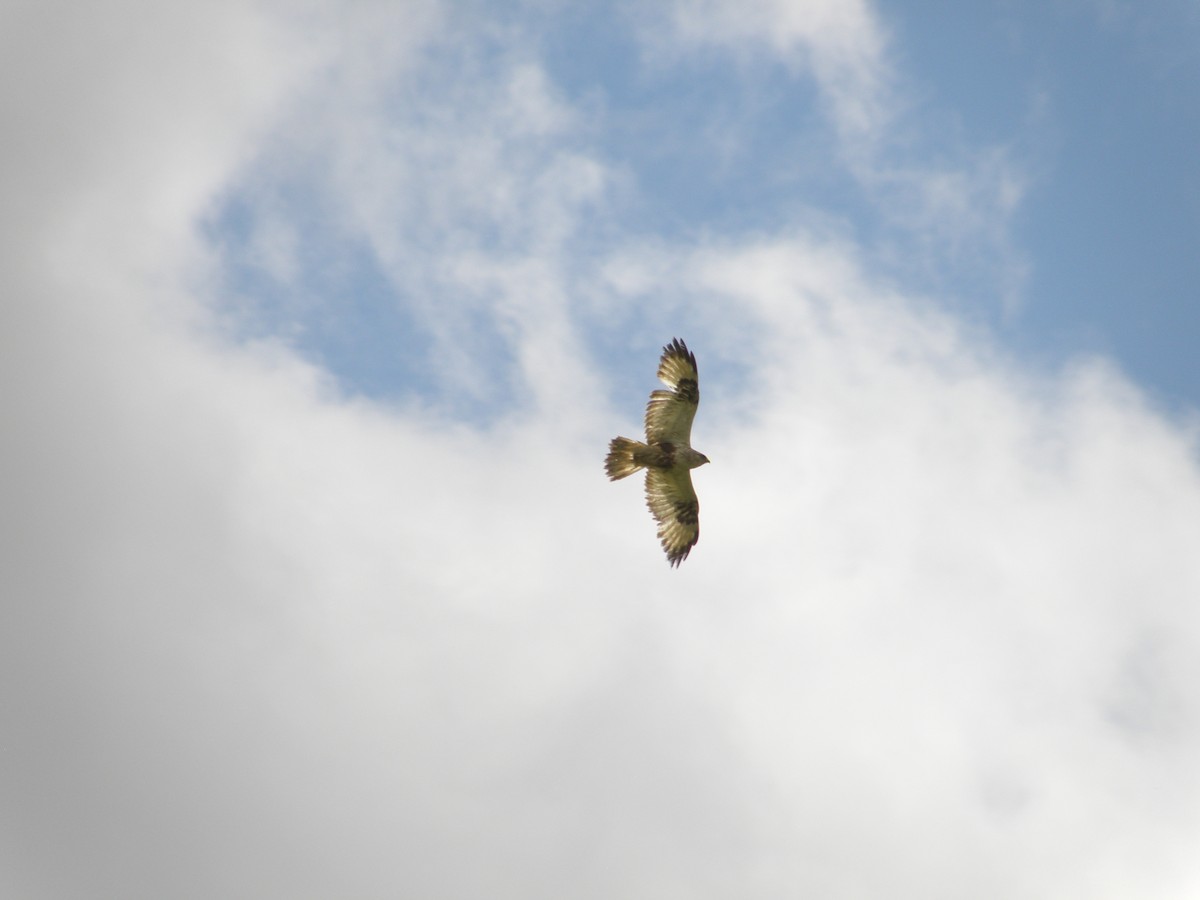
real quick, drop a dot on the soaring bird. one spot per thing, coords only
(667, 454)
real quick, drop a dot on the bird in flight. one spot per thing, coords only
(667, 454)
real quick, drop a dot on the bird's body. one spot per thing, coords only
(667, 454)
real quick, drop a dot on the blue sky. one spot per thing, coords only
(1104, 101)
(319, 322)
(1088, 107)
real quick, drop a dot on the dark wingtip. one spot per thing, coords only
(674, 559)
(677, 347)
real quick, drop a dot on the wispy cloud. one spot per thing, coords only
(455, 171)
(843, 45)
(951, 204)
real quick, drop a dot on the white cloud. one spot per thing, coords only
(259, 639)
(98, 100)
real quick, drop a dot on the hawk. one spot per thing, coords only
(667, 455)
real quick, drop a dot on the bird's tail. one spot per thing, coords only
(620, 460)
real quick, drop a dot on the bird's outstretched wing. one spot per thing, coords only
(672, 501)
(669, 414)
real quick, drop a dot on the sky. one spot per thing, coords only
(318, 319)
